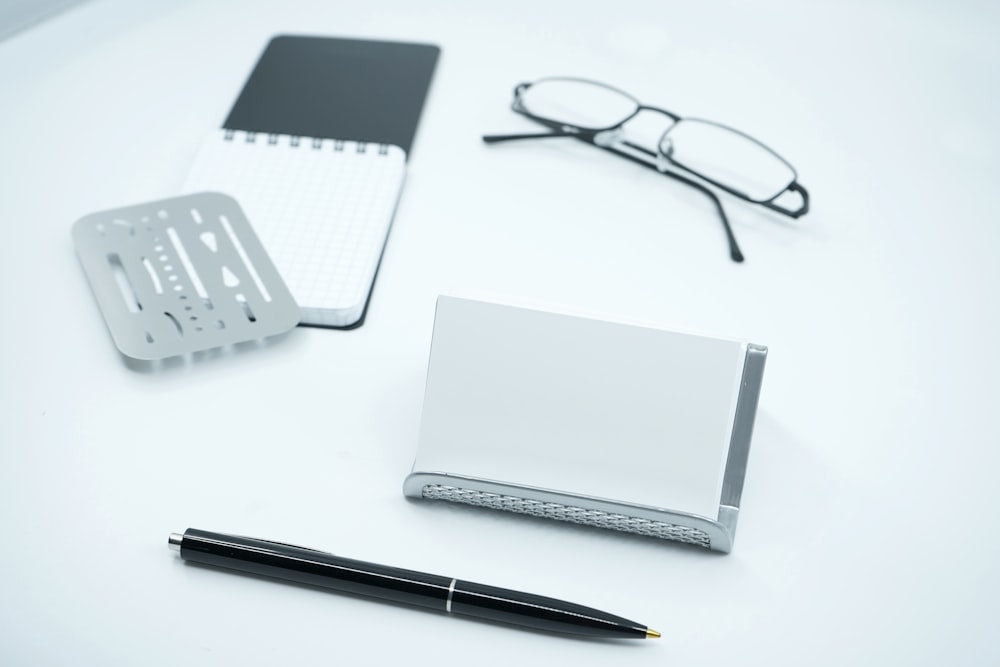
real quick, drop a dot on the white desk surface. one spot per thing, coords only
(866, 536)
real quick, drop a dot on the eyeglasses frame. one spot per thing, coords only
(590, 135)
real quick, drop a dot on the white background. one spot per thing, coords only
(867, 533)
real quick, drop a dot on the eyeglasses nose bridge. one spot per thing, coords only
(669, 114)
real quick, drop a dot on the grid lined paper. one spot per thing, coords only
(321, 207)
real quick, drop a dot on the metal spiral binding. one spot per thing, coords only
(315, 142)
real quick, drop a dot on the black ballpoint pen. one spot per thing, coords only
(319, 568)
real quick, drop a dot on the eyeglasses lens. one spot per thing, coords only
(728, 158)
(582, 104)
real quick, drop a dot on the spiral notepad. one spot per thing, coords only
(315, 150)
(321, 207)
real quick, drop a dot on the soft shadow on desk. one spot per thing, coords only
(403, 399)
(20, 15)
(207, 357)
(789, 490)
(446, 618)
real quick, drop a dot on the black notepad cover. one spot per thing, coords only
(332, 88)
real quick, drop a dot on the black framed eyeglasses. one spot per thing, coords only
(693, 151)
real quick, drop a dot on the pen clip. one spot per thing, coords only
(284, 544)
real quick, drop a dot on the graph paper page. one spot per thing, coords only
(321, 208)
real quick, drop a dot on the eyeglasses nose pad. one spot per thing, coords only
(608, 137)
(666, 146)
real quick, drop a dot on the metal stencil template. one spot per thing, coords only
(182, 275)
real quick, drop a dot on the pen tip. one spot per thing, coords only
(652, 634)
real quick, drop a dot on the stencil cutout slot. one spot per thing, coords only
(208, 238)
(124, 284)
(243, 256)
(242, 300)
(182, 255)
(126, 224)
(151, 270)
(229, 278)
(176, 323)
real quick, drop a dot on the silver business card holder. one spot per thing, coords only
(181, 276)
(608, 424)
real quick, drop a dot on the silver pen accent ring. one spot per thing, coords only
(451, 592)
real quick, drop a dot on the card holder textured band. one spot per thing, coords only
(588, 421)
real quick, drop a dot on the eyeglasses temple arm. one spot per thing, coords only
(734, 249)
(497, 138)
